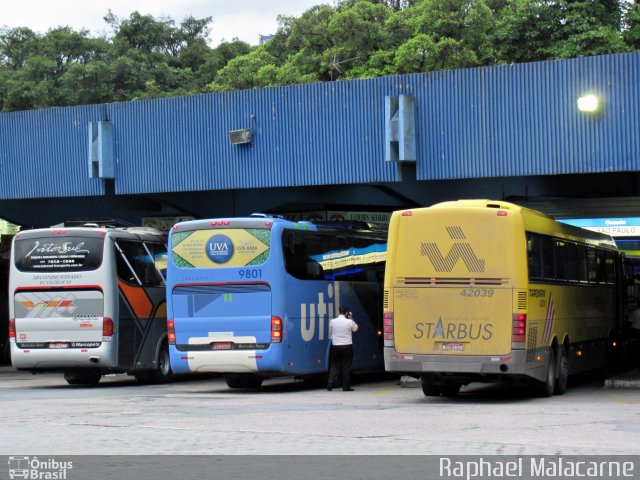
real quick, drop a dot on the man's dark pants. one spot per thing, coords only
(341, 358)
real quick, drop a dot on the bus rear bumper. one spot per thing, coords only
(468, 369)
(226, 361)
(59, 359)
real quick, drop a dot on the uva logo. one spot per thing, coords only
(219, 249)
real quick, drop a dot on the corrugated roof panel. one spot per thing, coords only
(312, 134)
(509, 120)
(44, 153)
(523, 119)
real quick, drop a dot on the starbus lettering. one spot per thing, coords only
(66, 247)
(453, 330)
(315, 316)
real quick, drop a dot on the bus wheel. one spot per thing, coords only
(450, 390)
(563, 373)
(243, 381)
(82, 378)
(548, 385)
(428, 387)
(162, 373)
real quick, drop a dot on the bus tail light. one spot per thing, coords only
(387, 328)
(12, 329)
(171, 331)
(107, 329)
(519, 328)
(276, 330)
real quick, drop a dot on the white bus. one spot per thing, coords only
(89, 301)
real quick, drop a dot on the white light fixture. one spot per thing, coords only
(588, 103)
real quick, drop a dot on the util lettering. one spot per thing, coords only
(315, 317)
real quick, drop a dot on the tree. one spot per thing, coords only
(543, 30)
(16, 46)
(241, 72)
(149, 57)
(218, 58)
(631, 33)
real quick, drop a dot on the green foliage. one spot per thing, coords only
(147, 57)
(631, 33)
(532, 31)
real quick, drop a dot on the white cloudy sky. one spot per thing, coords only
(245, 19)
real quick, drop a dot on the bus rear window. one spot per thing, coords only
(58, 254)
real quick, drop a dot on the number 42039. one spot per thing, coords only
(476, 292)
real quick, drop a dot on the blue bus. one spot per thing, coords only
(252, 297)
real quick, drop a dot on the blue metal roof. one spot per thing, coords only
(509, 120)
(517, 120)
(311, 134)
(43, 153)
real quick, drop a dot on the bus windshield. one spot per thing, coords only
(59, 253)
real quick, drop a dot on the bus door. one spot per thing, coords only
(142, 308)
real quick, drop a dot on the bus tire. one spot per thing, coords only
(243, 381)
(82, 378)
(548, 385)
(563, 373)
(162, 372)
(450, 390)
(429, 388)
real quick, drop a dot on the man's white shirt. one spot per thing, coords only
(340, 330)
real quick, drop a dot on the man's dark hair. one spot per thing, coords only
(342, 310)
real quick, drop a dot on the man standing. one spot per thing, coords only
(340, 333)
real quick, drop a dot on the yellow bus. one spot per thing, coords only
(484, 291)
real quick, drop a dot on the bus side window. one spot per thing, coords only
(609, 268)
(158, 265)
(560, 253)
(136, 265)
(583, 271)
(548, 260)
(592, 264)
(299, 247)
(601, 260)
(534, 255)
(123, 265)
(572, 262)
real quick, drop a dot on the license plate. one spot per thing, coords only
(58, 345)
(221, 346)
(452, 347)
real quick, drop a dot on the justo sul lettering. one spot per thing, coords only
(65, 247)
(315, 316)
